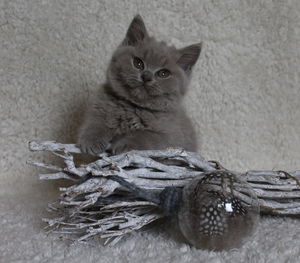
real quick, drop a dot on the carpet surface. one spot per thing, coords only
(244, 101)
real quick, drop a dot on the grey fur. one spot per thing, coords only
(130, 113)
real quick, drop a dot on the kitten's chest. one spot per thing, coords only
(125, 120)
(131, 121)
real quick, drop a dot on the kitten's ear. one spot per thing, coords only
(136, 31)
(189, 56)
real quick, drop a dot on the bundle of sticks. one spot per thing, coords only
(95, 205)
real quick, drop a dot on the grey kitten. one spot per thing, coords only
(139, 107)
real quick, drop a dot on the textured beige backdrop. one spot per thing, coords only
(244, 101)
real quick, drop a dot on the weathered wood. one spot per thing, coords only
(95, 205)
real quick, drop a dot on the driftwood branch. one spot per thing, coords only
(95, 205)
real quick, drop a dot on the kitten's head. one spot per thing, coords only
(149, 73)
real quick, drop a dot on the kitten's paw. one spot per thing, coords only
(121, 147)
(92, 145)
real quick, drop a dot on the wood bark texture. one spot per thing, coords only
(96, 206)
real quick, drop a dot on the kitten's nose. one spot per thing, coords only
(146, 76)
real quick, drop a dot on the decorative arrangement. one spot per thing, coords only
(115, 195)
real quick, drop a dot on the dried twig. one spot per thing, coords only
(95, 205)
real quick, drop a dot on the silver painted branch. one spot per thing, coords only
(95, 205)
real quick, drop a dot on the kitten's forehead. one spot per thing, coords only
(157, 53)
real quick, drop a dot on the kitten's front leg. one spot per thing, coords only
(94, 139)
(122, 145)
(139, 140)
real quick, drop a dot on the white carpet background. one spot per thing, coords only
(244, 101)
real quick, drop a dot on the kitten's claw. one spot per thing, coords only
(93, 147)
(92, 150)
(120, 147)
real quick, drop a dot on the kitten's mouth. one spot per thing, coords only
(145, 86)
(147, 89)
(141, 92)
(152, 91)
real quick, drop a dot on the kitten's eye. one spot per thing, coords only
(138, 63)
(163, 73)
